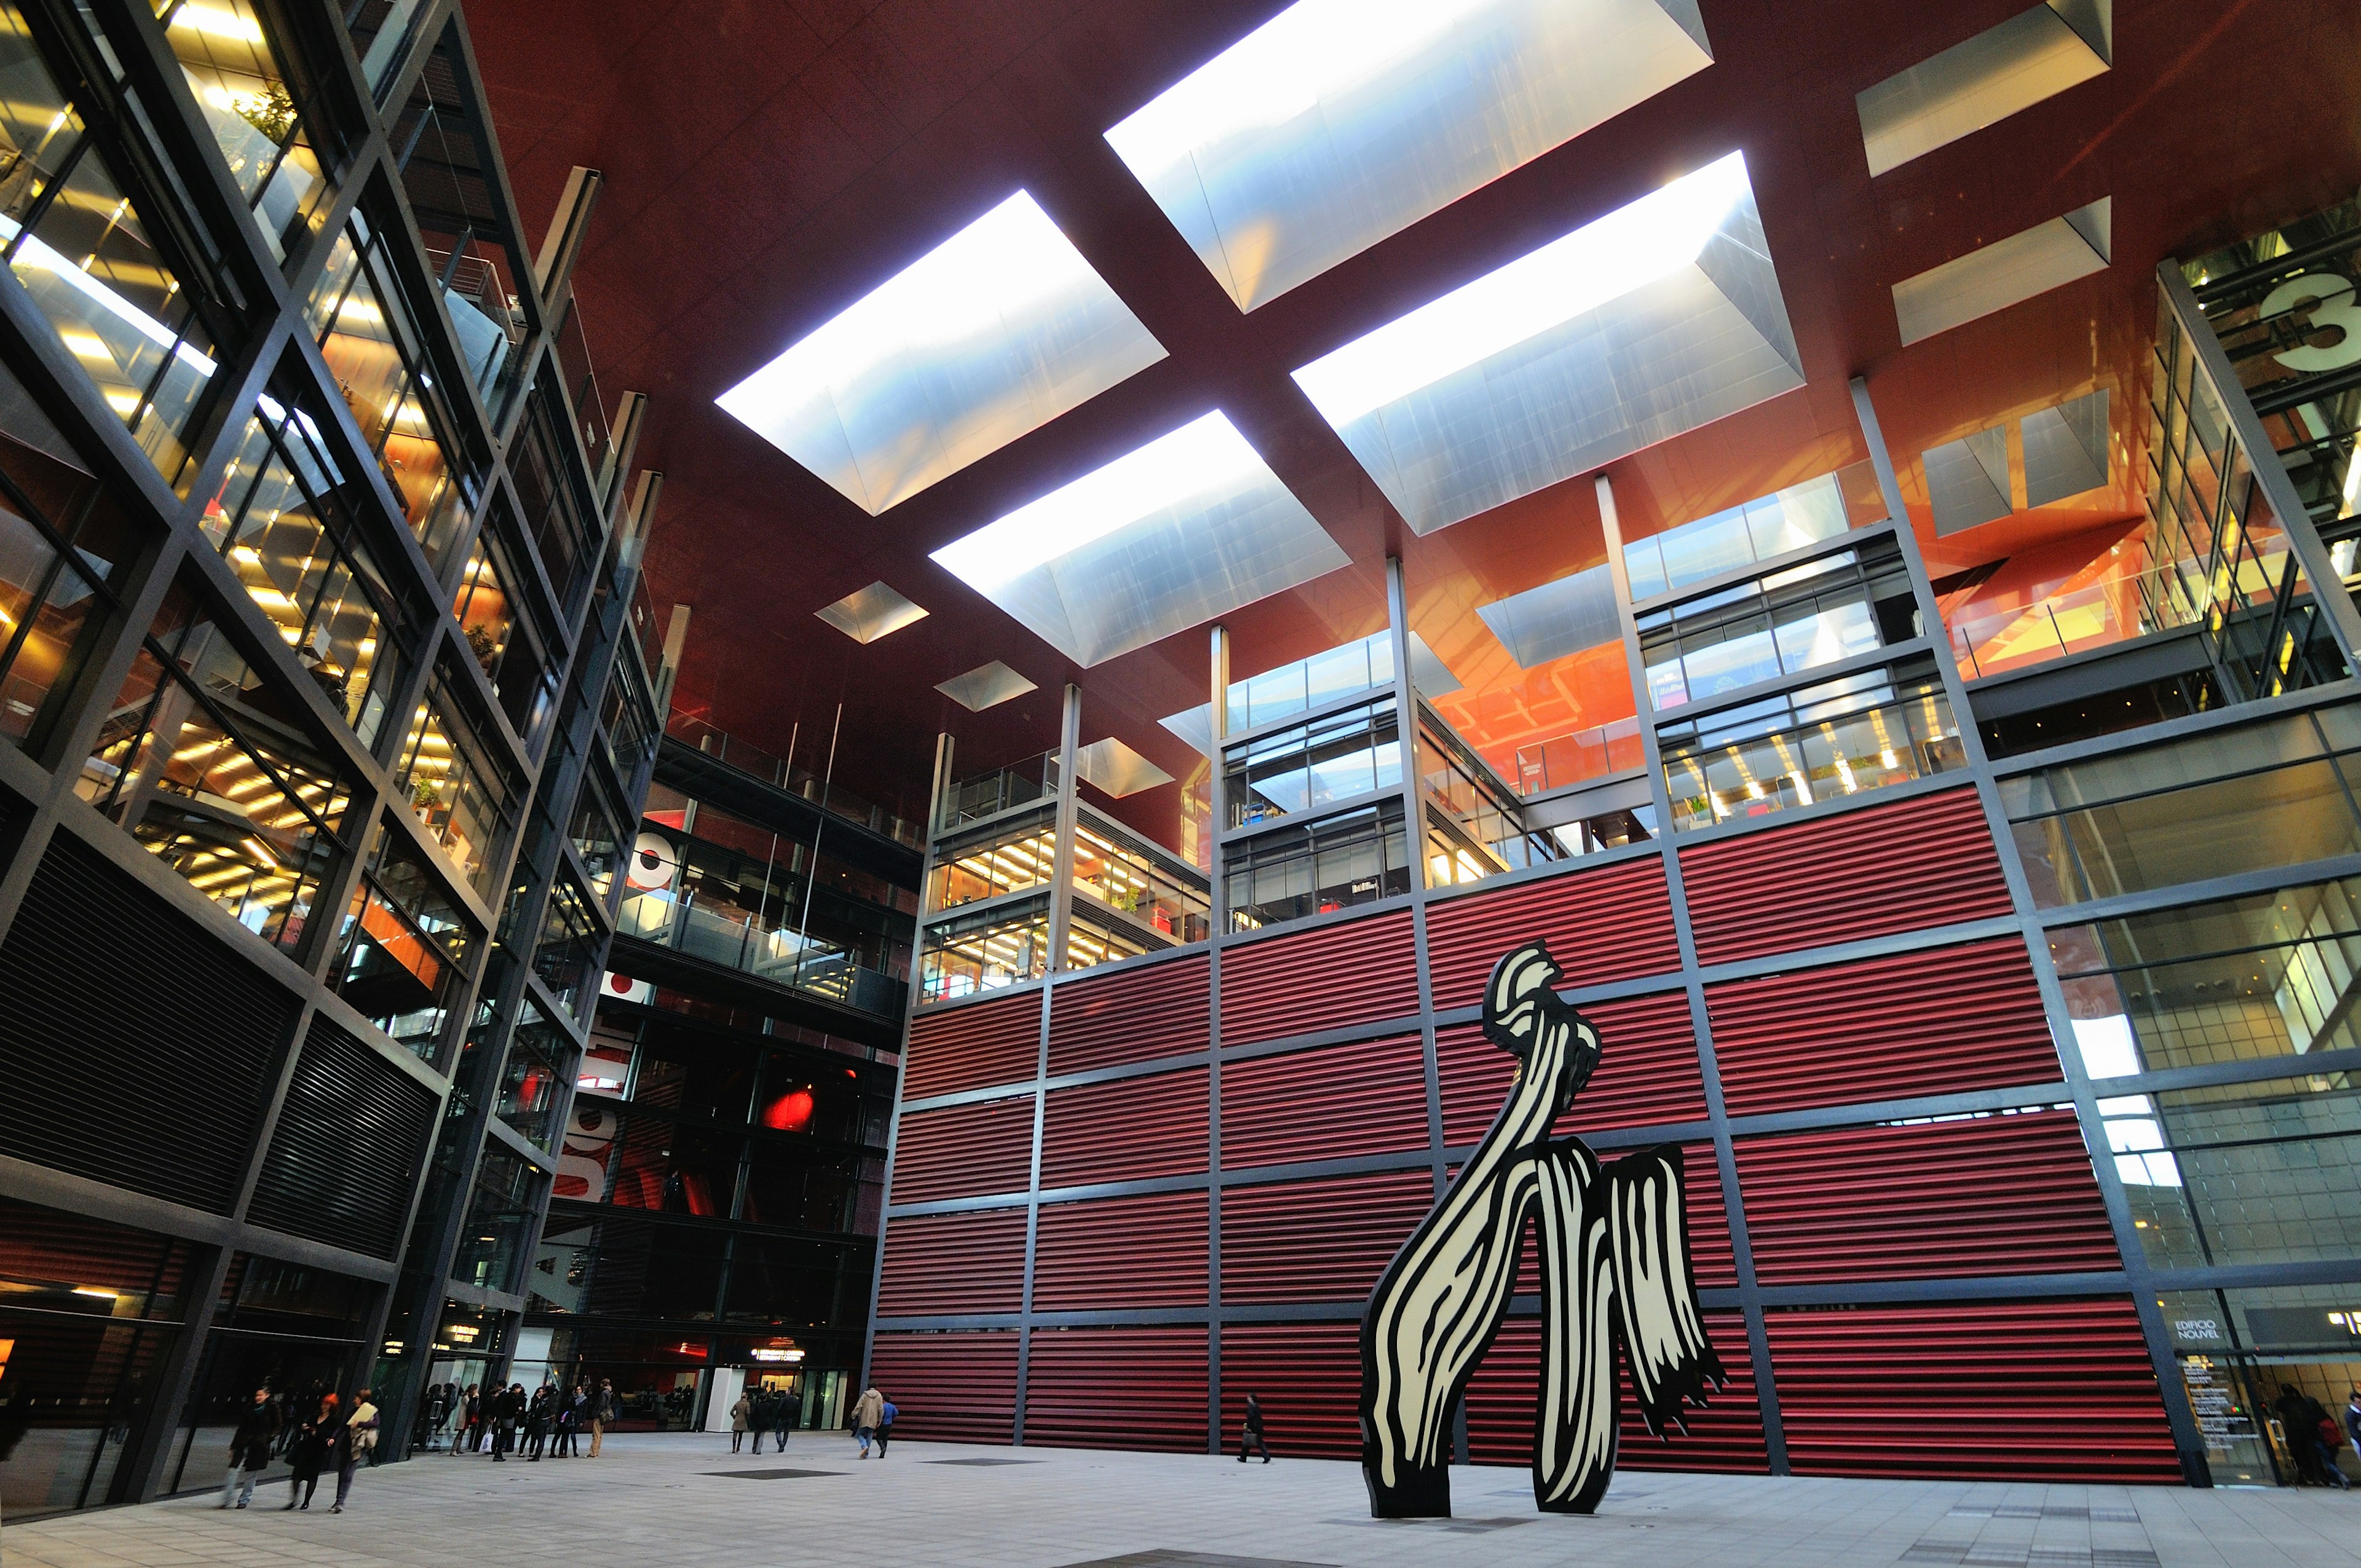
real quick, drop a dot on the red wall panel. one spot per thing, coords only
(949, 1388)
(1368, 1097)
(1940, 1021)
(1132, 1015)
(1356, 972)
(2058, 1390)
(1922, 863)
(1308, 1380)
(1317, 1241)
(1724, 1436)
(1648, 1073)
(1121, 1252)
(972, 1262)
(1711, 1256)
(1136, 1388)
(1128, 1130)
(963, 1151)
(2010, 1195)
(968, 1047)
(1607, 924)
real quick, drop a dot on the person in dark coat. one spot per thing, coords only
(307, 1450)
(538, 1416)
(2299, 1427)
(791, 1415)
(508, 1412)
(250, 1449)
(1253, 1436)
(759, 1416)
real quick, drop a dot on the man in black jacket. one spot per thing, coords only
(250, 1449)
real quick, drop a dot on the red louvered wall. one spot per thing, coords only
(1724, 1436)
(2010, 1195)
(1940, 1021)
(1118, 1387)
(1121, 1252)
(2054, 1390)
(1712, 1258)
(949, 1388)
(964, 1151)
(1317, 1241)
(943, 1264)
(1929, 862)
(1602, 924)
(982, 1043)
(1364, 1098)
(1648, 1073)
(1308, 1379)
(1127, 1130)
(1355, 972)
(1132, 1015)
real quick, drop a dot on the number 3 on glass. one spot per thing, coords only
(2332, 305)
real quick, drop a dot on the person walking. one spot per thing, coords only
(250, 1449)
(783, 1410)
(758, 1415)
(885, 1414)
(1253, 1436)
(867, 1412)
(737, 1414)
(357, 1441)
(307, 1453)
(602, 1411)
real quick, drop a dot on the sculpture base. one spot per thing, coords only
(1418, 1495)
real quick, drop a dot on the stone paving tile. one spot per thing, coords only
(678, 1502)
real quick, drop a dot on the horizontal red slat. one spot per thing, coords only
(2010, 1195)
(1135, 1014)
(1118, 1388)
(1940, 1021)
(1647, 1074)
(1922, 863)
(948, 1387)
(1725, 1435)
(1128, 1130)
(1307, 1378)
(968, 1047)
(942, 1264)
(1601, 923)
(1355, 972)
(1107, 1252)
(2031, 1390)
(1712, 1259)
(1318, 1241)
(1368, 1097)
(964, 1151)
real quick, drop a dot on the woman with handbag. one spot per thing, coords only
(307, 1451)
(357, 1441)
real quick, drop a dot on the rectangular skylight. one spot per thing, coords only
(2006, 272)
(1654, 320)
(1338, 123)
(2008, 67)
(1190, 526)
(994, 333)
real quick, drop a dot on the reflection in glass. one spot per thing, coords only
(455, 788)
(2242, 1173)
(228, 59)
(1355, 857)
(1823, 610)
(407, 945)
(1312, 765)
(984, 951)
(62, 539)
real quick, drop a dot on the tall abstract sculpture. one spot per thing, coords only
(1615, 1269)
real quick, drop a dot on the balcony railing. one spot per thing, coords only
(776, 770)
(1889, 744)
(986, 795)
(1569, 759)
(756, 946)
(2098, 616)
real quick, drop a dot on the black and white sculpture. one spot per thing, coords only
(1615, 1269)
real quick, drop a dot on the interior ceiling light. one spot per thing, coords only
(1654, 320)
(2010, 66)
(1338, 123)
(1113, 767)
(994, 333)
(2006, 272)
(866, 614)
(1189, 527)
(986, 685)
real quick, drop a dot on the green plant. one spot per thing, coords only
(425, 796)
(480, 644)
(272, 113)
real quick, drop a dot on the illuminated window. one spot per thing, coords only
(455, 787)
(230, 64)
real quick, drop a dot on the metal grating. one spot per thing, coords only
(1317, 1241)
(1927, 1022)
(1139, 1251)
(968, 1047)
(1726, 1436)
(1367, 1097)
(1118, 1387)
(1356, 972)
(1132, 1015)
(1648, 1073)
(2003, 1194)
(1124, 1130)
(128, 1031)
(962, 1151)
(1611, 924)
(1782, 889)
(938, 1265)
(345, 1154)
(956, 1386)
(1308, 1380)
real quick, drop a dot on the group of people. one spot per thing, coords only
(2313, 1436)
(760, 1410)
(549, 1421)
(323, 1436)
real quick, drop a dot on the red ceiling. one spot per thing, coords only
(769, 161)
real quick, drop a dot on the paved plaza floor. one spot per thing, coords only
(687, 1502)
